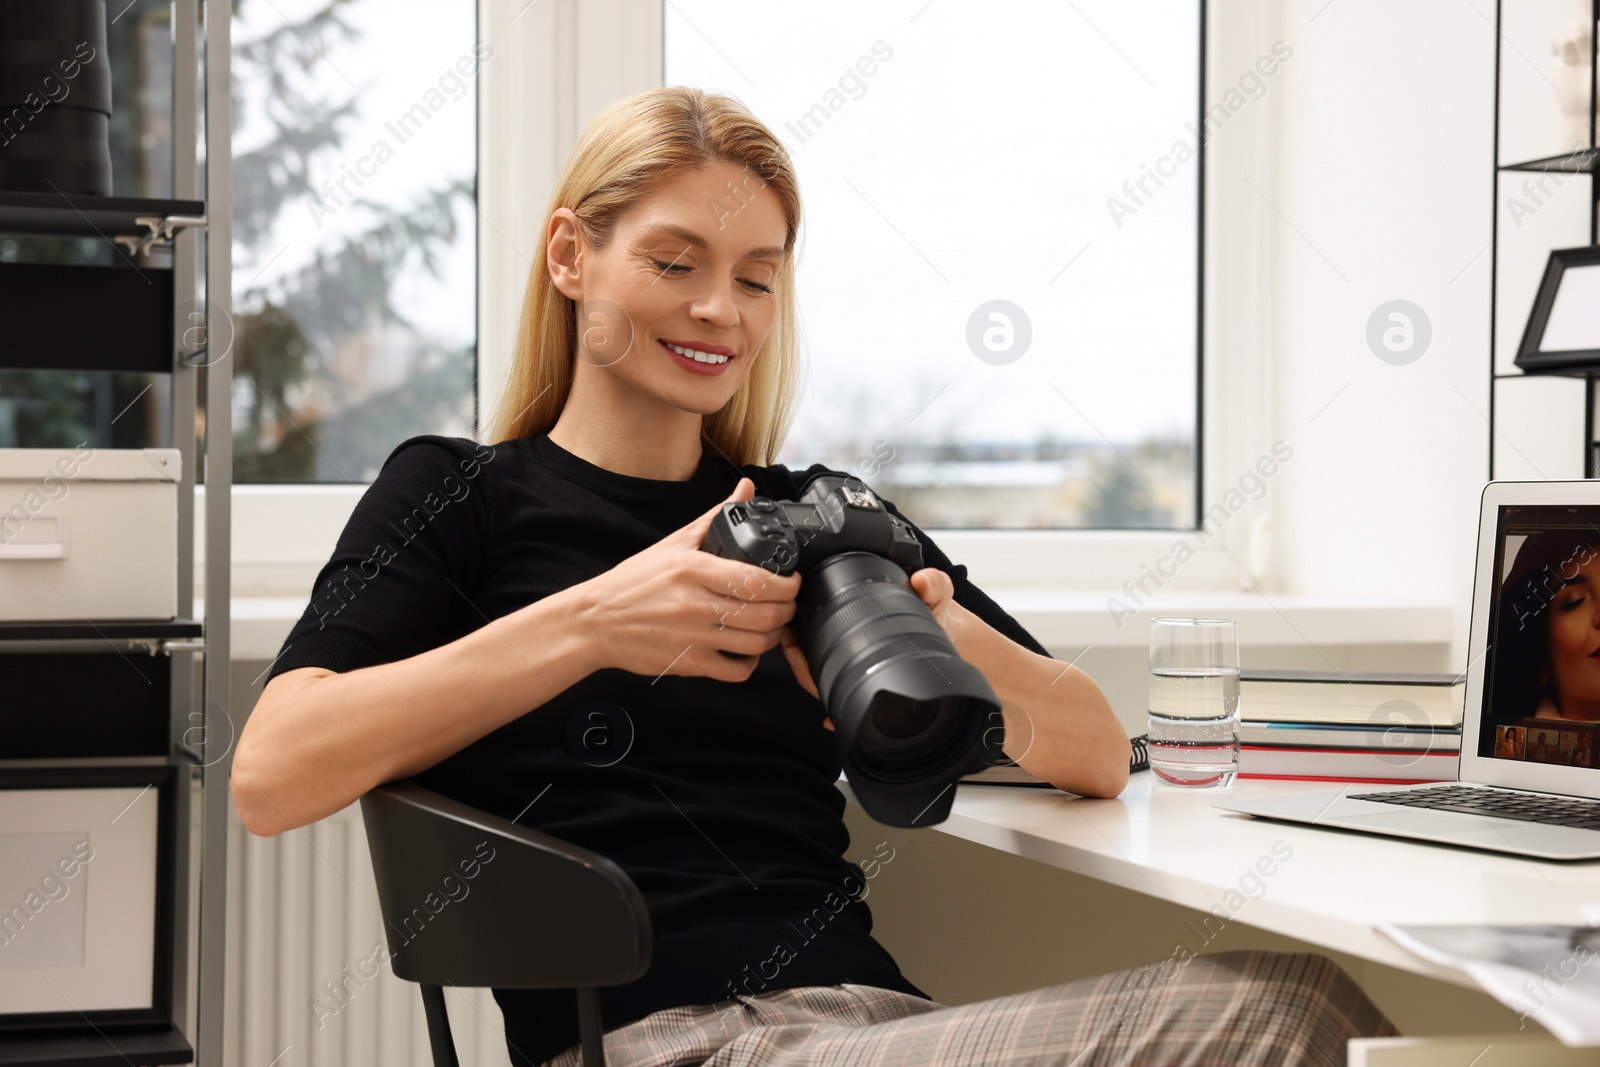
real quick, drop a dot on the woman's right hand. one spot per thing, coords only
(673, 608)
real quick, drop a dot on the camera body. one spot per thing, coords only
(910, 716)
(784, 536)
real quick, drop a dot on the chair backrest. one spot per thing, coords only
(473, 899)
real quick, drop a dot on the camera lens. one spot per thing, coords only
(884, 664)
(939, 742)
(895, 718)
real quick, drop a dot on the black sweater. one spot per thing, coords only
(723, 808)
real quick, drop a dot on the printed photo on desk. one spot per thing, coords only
(1539, 972)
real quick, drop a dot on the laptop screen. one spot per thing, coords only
(1542, 676)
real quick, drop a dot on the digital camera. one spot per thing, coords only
(910, 716)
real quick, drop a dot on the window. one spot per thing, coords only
(354, 305)
(998, 264)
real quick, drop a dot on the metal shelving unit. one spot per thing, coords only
(63, 214)
(1513, 388)
(97, 320)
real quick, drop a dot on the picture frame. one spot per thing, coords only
(87, 861)
(1570, 276)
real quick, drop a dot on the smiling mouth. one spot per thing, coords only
(718, 355)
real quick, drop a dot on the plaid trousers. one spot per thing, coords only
(1230, 1009)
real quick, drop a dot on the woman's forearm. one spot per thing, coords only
(1059, 725)
(317, 740)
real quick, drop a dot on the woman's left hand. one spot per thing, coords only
(938, 591)
(930, 583)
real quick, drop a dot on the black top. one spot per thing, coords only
(723, 808)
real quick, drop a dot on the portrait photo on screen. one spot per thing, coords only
(1543, 670)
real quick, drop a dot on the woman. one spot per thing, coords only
(531, 628)
(1510, 742)
(1547, 662)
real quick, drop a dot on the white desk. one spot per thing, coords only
(1330, 892)
(1336, 886)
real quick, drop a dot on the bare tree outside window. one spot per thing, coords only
(354, 275)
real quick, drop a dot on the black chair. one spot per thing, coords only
(538, 913)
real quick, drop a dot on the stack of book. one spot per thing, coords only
(1350, 727)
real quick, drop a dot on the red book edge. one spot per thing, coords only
(1321, 778)
(1317, 748)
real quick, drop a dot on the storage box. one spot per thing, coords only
(88, 533)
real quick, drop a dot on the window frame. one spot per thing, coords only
(558, 63)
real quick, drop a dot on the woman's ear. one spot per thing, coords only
(564, 252)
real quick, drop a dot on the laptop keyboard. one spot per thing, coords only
(1499, 803)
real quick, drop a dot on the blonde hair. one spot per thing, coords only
(631, 149)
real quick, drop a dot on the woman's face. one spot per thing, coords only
(693, 266)
(1575, 636)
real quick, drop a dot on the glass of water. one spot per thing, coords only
(1194, 701)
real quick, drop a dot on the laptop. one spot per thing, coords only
(1529, 779)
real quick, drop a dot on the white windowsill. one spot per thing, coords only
(1072, 619)
(1064, 621)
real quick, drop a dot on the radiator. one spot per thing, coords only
(306, 986)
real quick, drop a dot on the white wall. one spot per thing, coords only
(1380, 189)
